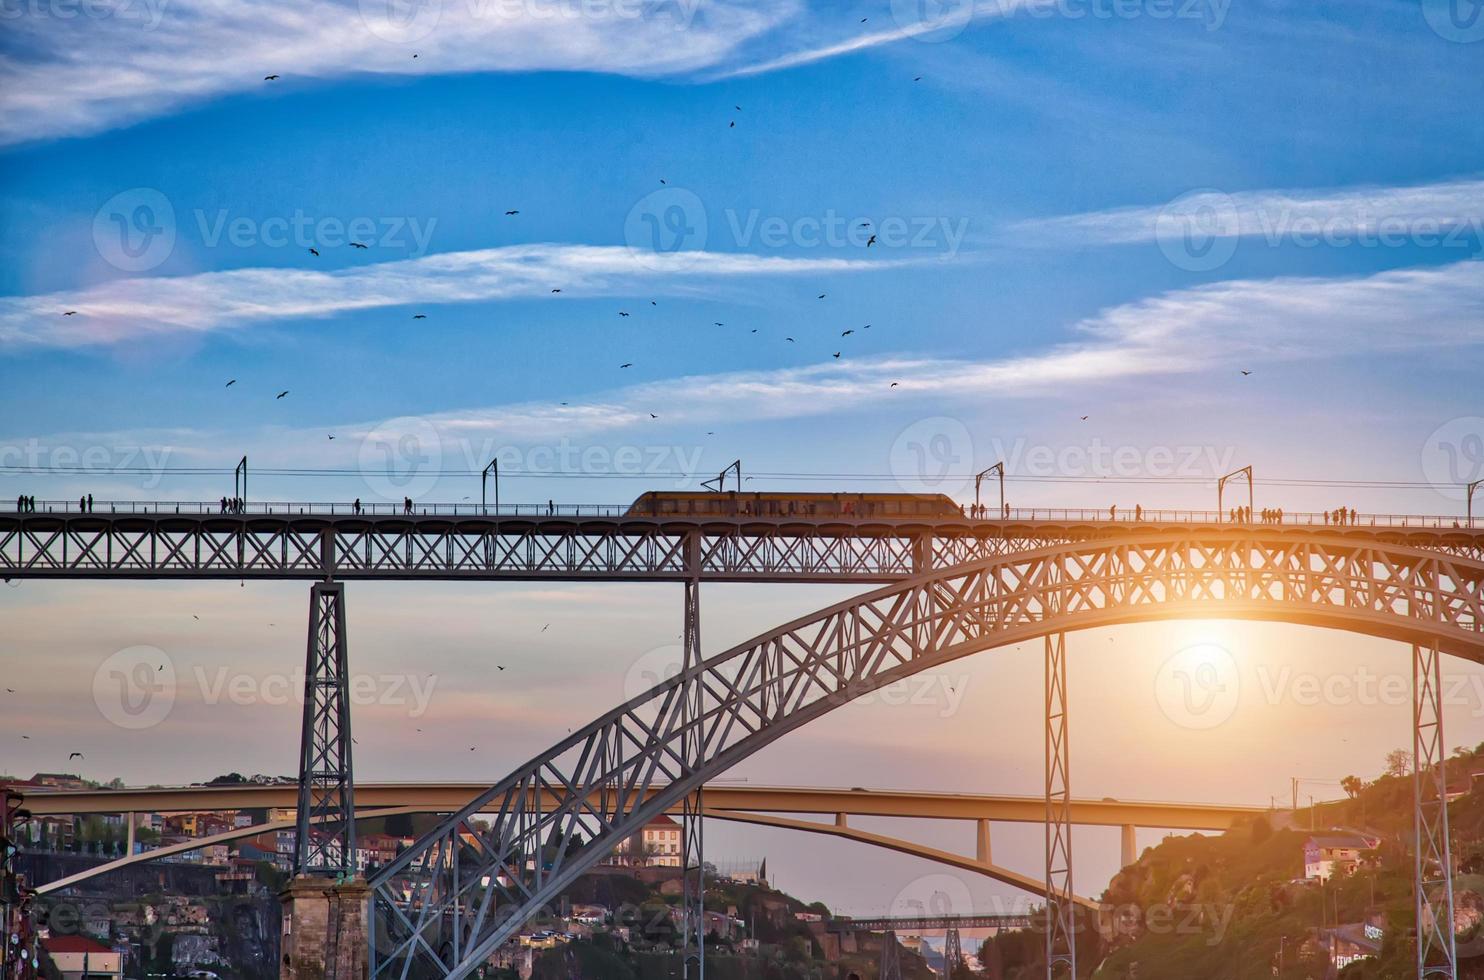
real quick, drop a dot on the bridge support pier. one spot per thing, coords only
(692, 850)
(1061, 938)
(983, 850)
(325, 843)
(324, 930)
(1129, 852)
(1433, 858)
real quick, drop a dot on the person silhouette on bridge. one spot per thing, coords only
(90, 503)
(357, 505)
(1113, 513)
(1138, 512)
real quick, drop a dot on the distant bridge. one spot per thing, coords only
(927, 923)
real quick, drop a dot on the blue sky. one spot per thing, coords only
(1082, 208)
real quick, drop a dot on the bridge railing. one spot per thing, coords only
(1096, 515)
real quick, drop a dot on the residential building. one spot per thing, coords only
(1326, 855)
(83, 958)
(660, 843)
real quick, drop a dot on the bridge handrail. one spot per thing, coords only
(1090, 515)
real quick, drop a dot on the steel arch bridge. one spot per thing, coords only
(445, 904)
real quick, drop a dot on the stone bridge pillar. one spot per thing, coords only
(324, 930)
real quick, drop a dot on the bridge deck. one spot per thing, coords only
(156, 541)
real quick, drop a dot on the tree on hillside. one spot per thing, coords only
(1352, 785)
(1398, 762)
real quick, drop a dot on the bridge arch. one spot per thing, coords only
(445, 904)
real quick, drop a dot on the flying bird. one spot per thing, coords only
(359, 245)
(329, 437)
(556, 290)
(75, 755)
(789, 339)
(653, 416)
(509, 214)
(720, 324)
(280, 395)
(26, 737)
(847, 333)
(230, 383)
(70, 313)
(270, 78)
(314, 251)
(918, 78)
(893, 384)
(1245, 373)
(628, 365)
(662, 180)
(870, 241)
(837, 355)
(1084, 418)
(732, 125)
(419, 316)
(622, 313)
(823, 295)
(10, 690)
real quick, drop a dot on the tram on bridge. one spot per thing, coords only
(735, 503)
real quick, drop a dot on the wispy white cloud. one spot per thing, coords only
(952, 19)
(127, 309)
(79, 68)
(1426, 214)
(1222, 326)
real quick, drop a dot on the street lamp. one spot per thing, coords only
(1469, 497)
(240, 473)
(1221, 487)
(998, 468)
(483, 475)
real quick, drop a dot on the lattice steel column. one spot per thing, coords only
(1437, 955)
(891, 958)
(692, 851)
(1061, 939)
(953, 953)
(326, 838)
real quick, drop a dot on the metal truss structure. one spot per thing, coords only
(446, 903)
(692, 840)
(953, 953)
(325, 836)
(1437, 954)
(322, 548)
(891, 958)
(1061, 909)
